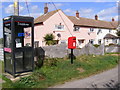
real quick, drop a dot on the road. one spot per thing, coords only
(106, 79)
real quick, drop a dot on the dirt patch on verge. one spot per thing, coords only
(81, 70)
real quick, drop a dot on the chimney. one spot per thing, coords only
(96, 17)
(77, 14)
(45, 8)
(113, 19)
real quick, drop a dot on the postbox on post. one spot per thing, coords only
(72, 42)
(71, 45)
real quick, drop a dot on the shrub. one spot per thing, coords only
(49, 39)
(51, 61)
(96, 45)
(111, 44)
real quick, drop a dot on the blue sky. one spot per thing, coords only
(104, 10)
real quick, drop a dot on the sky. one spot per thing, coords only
(105, 10)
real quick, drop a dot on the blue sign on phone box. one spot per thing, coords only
(23, 34)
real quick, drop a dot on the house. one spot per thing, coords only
(110, 39)
(63, 26)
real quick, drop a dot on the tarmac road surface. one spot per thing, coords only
(107, 79)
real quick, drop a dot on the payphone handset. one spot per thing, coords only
(72, 42)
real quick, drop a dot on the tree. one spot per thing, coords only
(49, 39)
(118, 33)
(1, 40)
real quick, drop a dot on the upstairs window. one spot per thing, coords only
(91, 41)
(91, 29)
(109, 30)
(59, 27)
(76, 28)
(99, 31)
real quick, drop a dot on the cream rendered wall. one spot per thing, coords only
(102, 34)
(49, 27)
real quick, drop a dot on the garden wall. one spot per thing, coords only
(61, 51)
(110, 49)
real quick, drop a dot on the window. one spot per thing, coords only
(76, 28)
(109, 30)
(80, 41)
(36, 44)
(91, 41)
(116, 41)
(99, 31)
(63, 41)
(91, 29)
(99, 41)
(107, 40)
(59, 27)
(23, 34)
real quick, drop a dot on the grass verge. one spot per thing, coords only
(57, 71)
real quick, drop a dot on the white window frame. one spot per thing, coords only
(99, 31)
(59, 27)
(110, 30)
(78, 28)
(91, 40)
(91, 29)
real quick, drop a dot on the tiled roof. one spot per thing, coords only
(44, 17)
(93, 23)
(80, 21)
(110, 36)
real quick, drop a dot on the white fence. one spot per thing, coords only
(1, 54)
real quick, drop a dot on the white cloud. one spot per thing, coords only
(108, 11)
(1, 29)
(105, 0)
(83, 12)
(69, 12)
(109, 18)
(10, 9)
(34, 8)
(116, 18)
(52, 7)
(35, 15)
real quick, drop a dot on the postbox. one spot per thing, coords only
(72, 42)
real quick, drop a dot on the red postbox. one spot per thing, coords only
(72, 42)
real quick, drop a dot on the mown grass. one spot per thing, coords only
(57, 71)
(1, 67)
(113, 53)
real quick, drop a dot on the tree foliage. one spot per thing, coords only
(1, 40)
(49, 39)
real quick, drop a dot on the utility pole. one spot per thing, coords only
(16, 7)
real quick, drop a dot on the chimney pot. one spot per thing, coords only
(45, 8)
(96, 17)
(113, 19)
(77, 14)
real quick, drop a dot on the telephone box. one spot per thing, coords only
(18, 33)
(72, 42)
